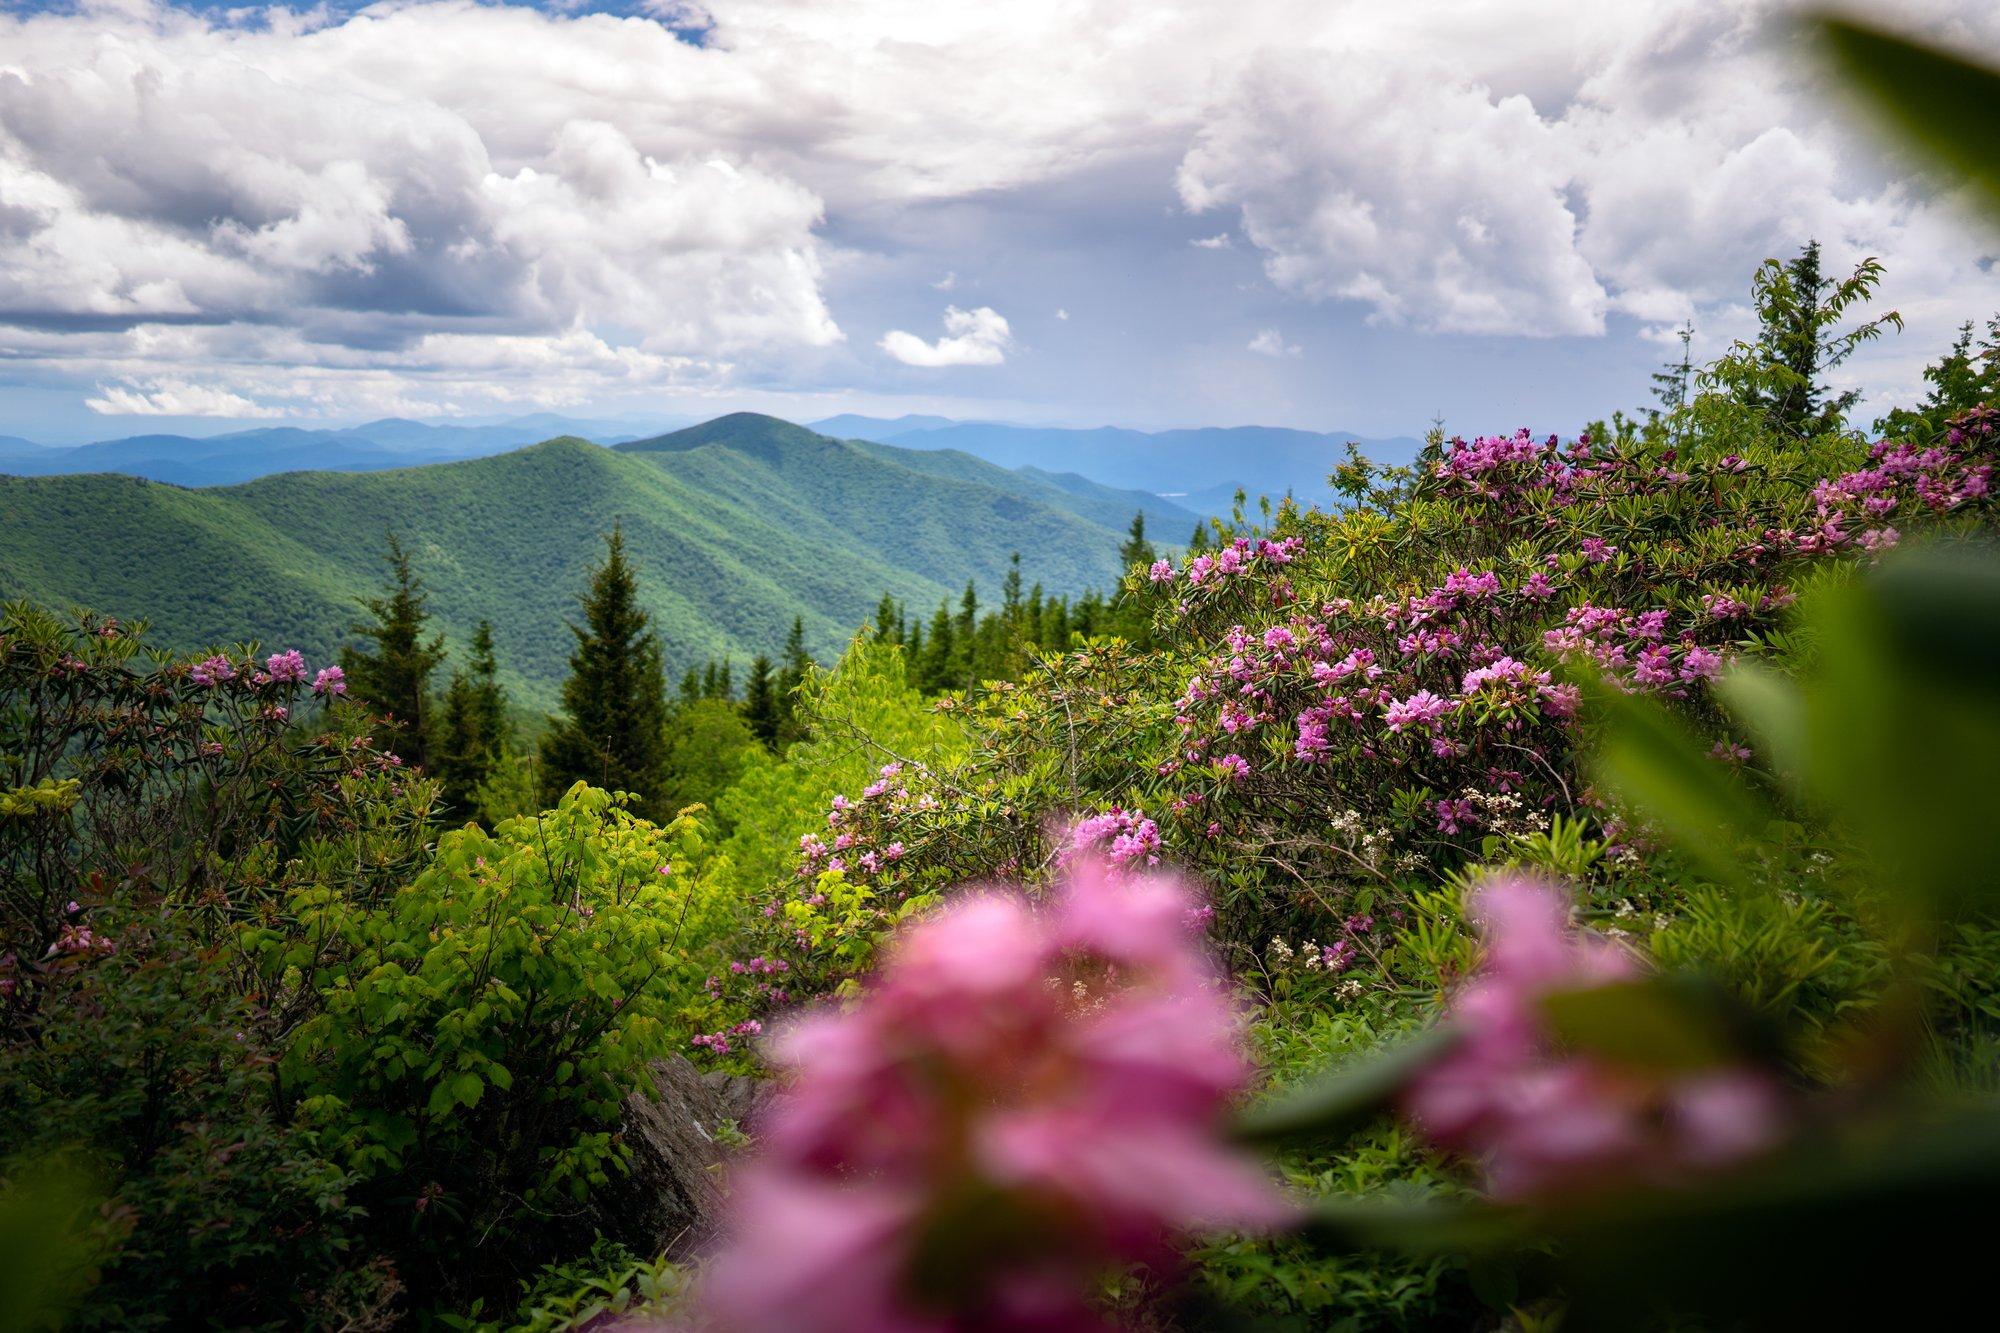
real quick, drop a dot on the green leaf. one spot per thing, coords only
(1939, 101)
(1336, 1103)
(1669, 1024)
(467, 1089)
(1657, 767)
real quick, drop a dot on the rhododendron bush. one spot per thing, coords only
(1030, 1089)
(1362, 700)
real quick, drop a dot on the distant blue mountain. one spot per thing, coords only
(221, 460)
(1197, 469)
(848, 426)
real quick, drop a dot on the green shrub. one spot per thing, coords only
(475, 1033)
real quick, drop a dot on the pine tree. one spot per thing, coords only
(394, 679)
(615, 700)
(1672, 381)
(888, 620)
(1137, 550)
(791, 675)
(1799, 311)
(1199, 542)
(1966, 376)
(936, 673)
(472, 726)
(760, 702)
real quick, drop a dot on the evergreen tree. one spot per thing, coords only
(394, 679)
(936, 673)
(1966, 376)
(1010, 591)
(612, 734)
(888, 620)
(690, 686)
(792, 674)
(1137, 550)
(760, 702)
(1672, 381)
(1199, 542)
(1799, 339)
(472, 726)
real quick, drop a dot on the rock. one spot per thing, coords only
(668, 1201)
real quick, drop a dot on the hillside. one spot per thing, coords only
(738, 526)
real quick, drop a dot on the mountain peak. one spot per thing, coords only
(748, 432)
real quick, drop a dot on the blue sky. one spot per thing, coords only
(1322, 213)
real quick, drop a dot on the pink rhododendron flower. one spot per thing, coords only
(212, 671)
(1542, 1119)
(286, 668)
(330, 681)
(1050, 1081)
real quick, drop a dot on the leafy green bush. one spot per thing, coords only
(473, 1036)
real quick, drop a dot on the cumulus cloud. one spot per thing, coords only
(588, 199)
(1270, 342)
(176, 398)
(978, 337)
(1443, 174)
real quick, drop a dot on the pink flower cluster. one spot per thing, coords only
(1021, 1099)
(286, 668)
(1543, 1119)
(212, 671)
(1242, 556)
(718, 1043)
(1123, 837)
(1633, 647)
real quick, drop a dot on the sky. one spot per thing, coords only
(1346, 215)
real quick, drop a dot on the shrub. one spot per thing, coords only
(474, 1034)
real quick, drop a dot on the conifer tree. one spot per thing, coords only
(1137, 550)
(612, 734)
(394, 679)
(1799, 339)
(936, 673)
(472, 726)
(791, 674)
(888, 620)
(760, 702)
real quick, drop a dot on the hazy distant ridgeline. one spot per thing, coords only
(243, 455)
(1200, 468)
(739, 525)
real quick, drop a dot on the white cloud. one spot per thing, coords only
(429, 194)
(978, 337)
(1061, 313)
(1270, 342)
(176, 398)
(946, 283)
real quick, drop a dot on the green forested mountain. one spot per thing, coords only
(737, 526)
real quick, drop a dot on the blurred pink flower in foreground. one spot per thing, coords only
(1542, 1119)
(1025, 1096)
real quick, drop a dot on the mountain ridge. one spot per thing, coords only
(735, 533)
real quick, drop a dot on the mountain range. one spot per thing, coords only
(1200, 469)
(220, 460)
(738, 525)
